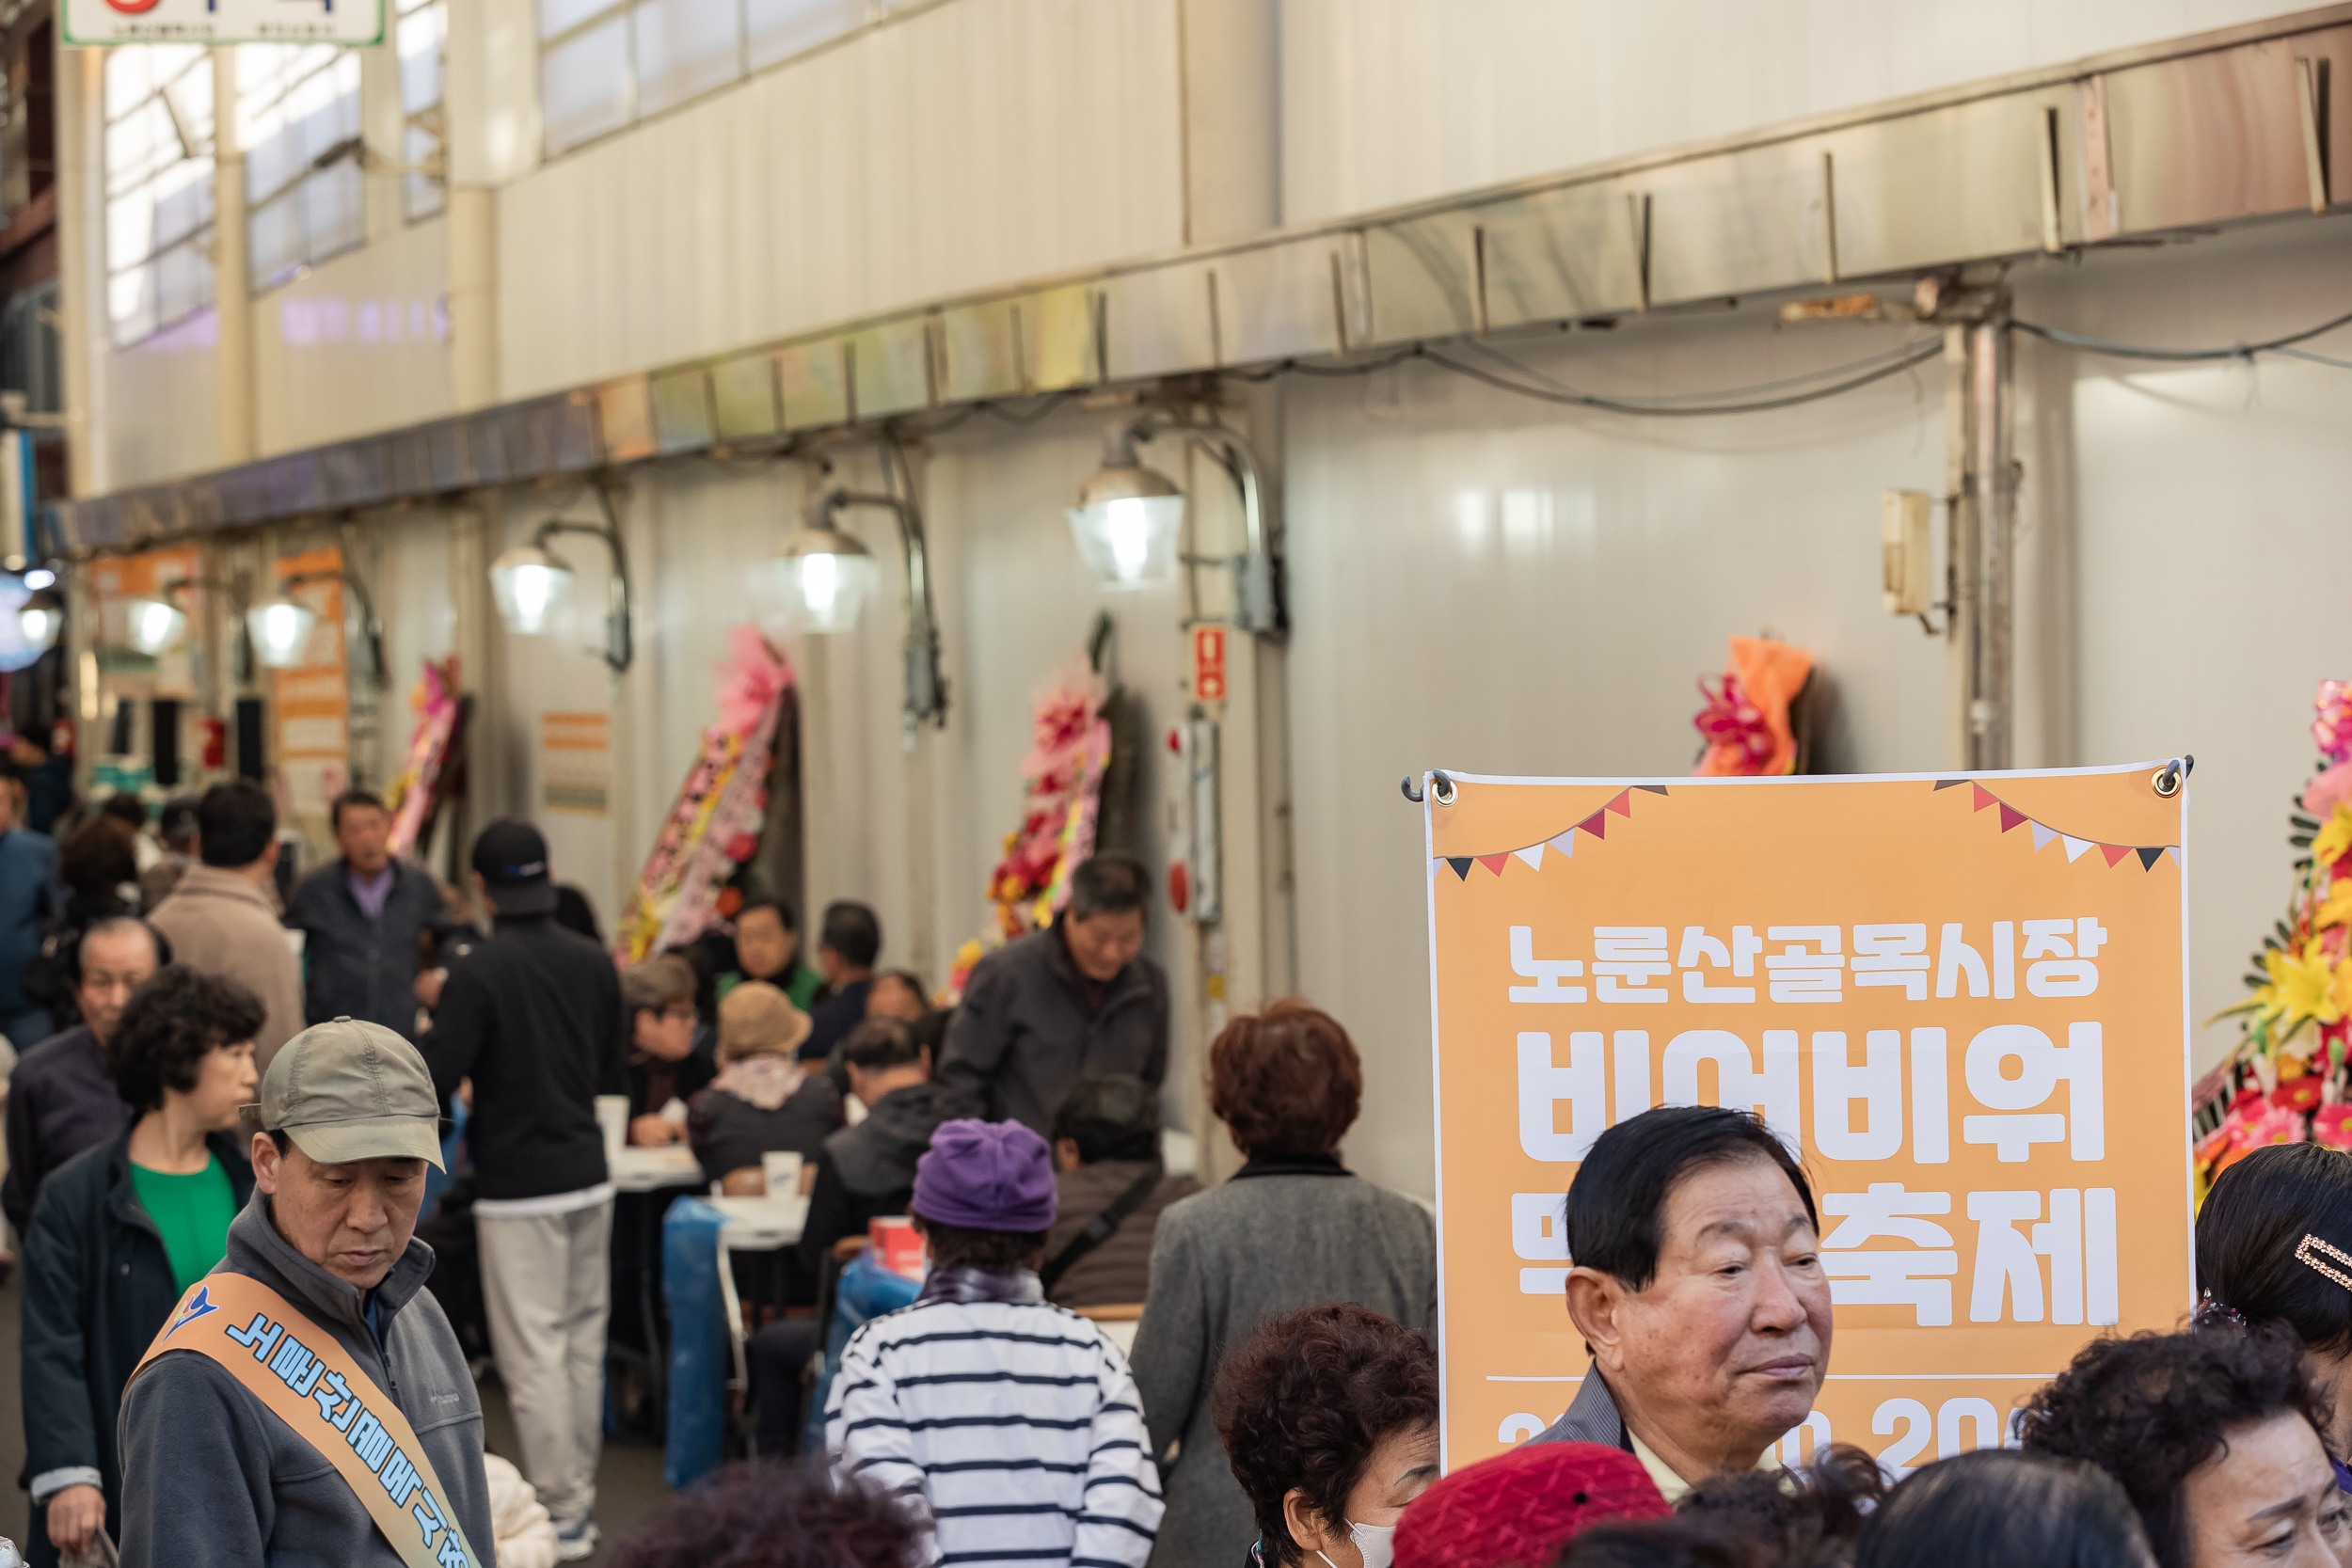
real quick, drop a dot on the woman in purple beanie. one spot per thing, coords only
(1011, 1424)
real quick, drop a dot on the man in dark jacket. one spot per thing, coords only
(868, 1171)
(848, 944)
(863, 1173)
(60, 1099)
(360, 917)
(209, 1478)
(533, 1016)
(1073, 1001)
(28, 892)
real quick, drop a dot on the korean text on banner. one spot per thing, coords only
(1961, 999)
(216, 21)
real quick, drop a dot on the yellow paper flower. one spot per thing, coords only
(2338, 906)
(2335, 840)
(2300, 987)
(2340, 994)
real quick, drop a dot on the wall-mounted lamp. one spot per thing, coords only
(823, 576)
(1129, 518)
(35, 618)
(531, 583)
(280, 626)
(1129, 522)
(152, 625)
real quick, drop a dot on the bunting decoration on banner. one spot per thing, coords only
(2114, 854)
(1562, 843)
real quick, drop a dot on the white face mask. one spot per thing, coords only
(1376, 1541)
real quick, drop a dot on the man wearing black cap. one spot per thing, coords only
(533, 1016)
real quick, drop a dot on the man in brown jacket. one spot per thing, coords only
(1112, 1187)
(222, 917)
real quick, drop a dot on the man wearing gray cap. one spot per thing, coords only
(306, 1402)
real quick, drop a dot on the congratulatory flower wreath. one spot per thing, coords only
(2286, 1080)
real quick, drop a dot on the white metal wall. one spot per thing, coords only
(1485, 583)
(357, 344)
(1393, 100)
(982, 142)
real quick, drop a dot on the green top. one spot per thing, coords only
(801, 986)
(193, 1212)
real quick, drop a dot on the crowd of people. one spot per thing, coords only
(245, 1096)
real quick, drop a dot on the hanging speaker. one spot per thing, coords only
(164, 737)
(249, 738)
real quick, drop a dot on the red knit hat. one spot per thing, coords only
(1517, 1510)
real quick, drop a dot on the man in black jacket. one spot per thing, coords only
(533, 1016)
(60, 1099)
(868, 1171)
(863, 1172)
(361, 916)
(1076, 1000)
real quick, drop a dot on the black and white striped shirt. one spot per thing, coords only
(1014, 1426)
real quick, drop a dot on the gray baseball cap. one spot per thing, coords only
(348, 1090)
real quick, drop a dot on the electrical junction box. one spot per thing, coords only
(1903, 538)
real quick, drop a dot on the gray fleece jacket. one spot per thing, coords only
(1278, 1236)
(213, 1480)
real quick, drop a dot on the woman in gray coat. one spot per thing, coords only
(1292, 1229)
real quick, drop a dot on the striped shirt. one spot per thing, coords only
(1014, 1427)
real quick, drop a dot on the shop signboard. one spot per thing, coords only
(1961, 999)
(576, 761)
(208, 21)
(310, 715)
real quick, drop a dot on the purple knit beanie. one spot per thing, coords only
(986, 1176)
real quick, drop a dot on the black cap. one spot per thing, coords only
(513, 861)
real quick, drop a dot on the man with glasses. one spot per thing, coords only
(60, 1099)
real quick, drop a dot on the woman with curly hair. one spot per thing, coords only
(2215, 1435)
(771, 1515)
(1330, 1421)
(1292, 1229)
(122, 1229)
(2274, 1245)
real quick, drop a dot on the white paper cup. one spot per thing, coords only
(613, 1115)
(783, 1173)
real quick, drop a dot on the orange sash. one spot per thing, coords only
(311, 1384)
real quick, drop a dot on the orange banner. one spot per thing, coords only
(312, 710)
(1962, 999)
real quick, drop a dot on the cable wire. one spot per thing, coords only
(2134, 350)
(1800, 379)
(1918, 355)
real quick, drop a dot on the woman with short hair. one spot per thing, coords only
(1294, 1228)
(122, 1229)
(2216, 1436)
(1330, 1421)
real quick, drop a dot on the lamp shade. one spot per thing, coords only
(29, 623)
(1127, 523)
(150, 625)
(280, 631)
(531, 587)
(822, 577)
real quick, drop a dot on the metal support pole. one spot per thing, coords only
(1991, 711)
(1980, 497)
(232, 281)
